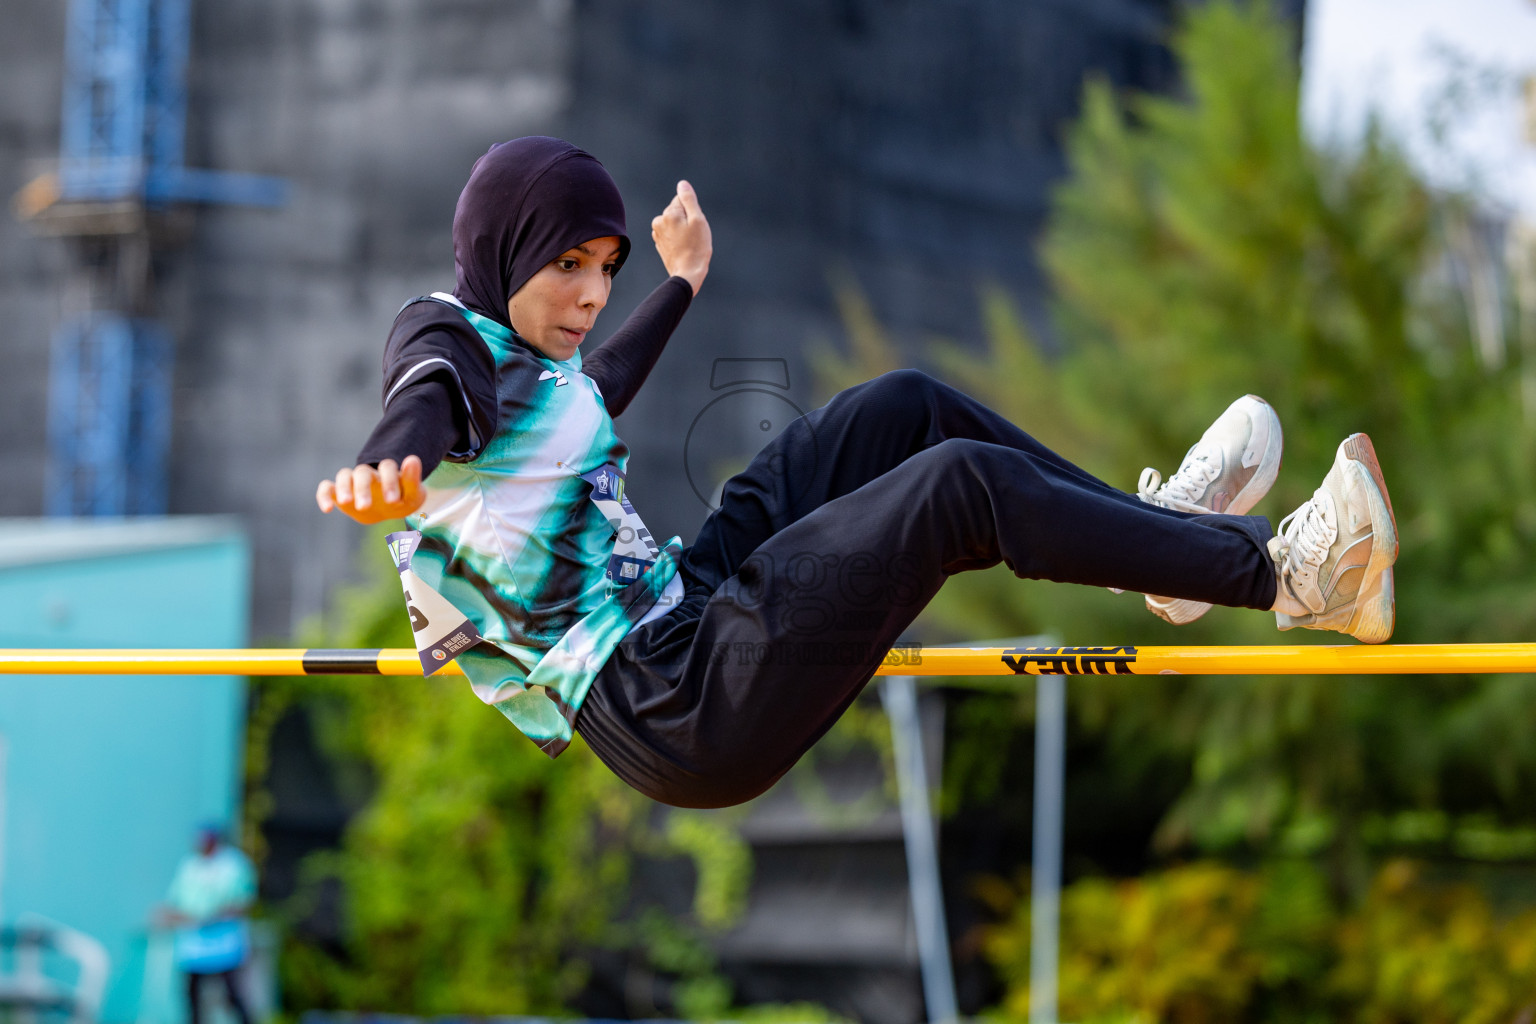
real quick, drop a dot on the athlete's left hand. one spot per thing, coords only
(682, 237)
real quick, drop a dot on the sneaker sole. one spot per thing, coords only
(1376, 607)
(1181, 611)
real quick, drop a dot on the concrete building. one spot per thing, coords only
(907, 146)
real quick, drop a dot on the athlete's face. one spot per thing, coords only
(558, 306)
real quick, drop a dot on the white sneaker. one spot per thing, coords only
(1230, 469)
(1334, 554)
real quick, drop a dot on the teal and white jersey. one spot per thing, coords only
(515, 541)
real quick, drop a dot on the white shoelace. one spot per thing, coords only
(1199, 470)
(1306, 535)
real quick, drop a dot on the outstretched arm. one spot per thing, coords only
(421, 425)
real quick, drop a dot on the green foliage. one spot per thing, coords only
(1195, 944)
(1201, 248)
(862, 731)
(1435, 954)
(480, 869)
(477, 867)
(1207, 942)
(480, 872)
(723, 861)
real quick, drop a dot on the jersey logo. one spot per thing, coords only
(559, 377)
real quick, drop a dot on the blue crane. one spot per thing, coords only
(121, 160)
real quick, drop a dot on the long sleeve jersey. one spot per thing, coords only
(519, 446)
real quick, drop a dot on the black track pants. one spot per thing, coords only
(831, 542)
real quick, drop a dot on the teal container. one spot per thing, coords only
(103, 779)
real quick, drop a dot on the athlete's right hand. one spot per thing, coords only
(683, 239)
(374, 495)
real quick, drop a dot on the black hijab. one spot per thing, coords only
(528, 201)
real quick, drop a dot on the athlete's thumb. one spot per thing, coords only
(690, 199)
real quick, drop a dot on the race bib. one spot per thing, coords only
(442, 632)
(634, 550)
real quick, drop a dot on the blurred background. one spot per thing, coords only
(1106, 218)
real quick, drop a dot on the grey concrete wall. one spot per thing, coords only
(374, 110)
(30, 77)
(907, 146)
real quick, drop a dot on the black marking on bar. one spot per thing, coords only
(1070, 661)
(341, 661)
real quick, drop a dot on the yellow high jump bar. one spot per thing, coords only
(1388, 659)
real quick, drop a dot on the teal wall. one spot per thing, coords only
(107, 777)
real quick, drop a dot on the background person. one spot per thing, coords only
(207, 903)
